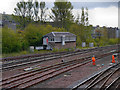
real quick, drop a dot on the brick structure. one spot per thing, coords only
(59, 40)
(67, 45)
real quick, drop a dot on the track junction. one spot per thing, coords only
(38, 75)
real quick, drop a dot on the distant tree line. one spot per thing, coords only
(21, 40)
(33, 33)
(32, 26)
(30, 12)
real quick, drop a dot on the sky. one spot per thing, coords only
(101, 12)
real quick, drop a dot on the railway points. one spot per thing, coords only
(101, 80)
(74, 75)
(75, 65)
(40, 58)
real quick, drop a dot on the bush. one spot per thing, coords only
(10, 41)
(113, 41)
(33, 33)
(83, 33)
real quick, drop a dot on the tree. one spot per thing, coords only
(42, 10)
(20, 13)
(83, 17)
(29, 10)
(62, 13)
(99, 35)
(33, 35)
(10, 41)
(0, 41)
(86, 17)
(77, 21)
(83, 33)
(36, 10)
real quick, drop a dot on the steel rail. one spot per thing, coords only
(40, 76)
(43, 55)
(93, 78)
(110, 85)
(48, 67)
(103, 84)
(105, 78)
(35, 61)
(68, 64)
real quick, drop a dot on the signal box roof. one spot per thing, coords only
(59, 34)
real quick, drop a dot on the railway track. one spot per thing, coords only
(108, 79)
(114, 85)
(30, 60)
(35, 55)
(27, 79)
(39, 56)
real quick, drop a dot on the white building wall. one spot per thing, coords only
(58, 39)
(67, 38)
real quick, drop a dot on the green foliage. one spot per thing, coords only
(24, 42)
(34, 33)
(62, 50)
(83, 17)
(28, 12)
(23, 13)
(103, 39)
(62, 15)
(0, 42)
(24, 53)
(10, 41)
(31, 35)
(42, 11)
(21, 40)
(83, 33)
(36, 10)
(86, 18)
(118, 40)
(20, 13)
(113, 41)
(78, 41)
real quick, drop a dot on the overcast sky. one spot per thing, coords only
(101, 12)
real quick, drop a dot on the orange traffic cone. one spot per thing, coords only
(113, 59)
(93, 60)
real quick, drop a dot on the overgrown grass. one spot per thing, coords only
(35, 52)
(79, 47)
(63, 50)
(43, 51)
(24, 53)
